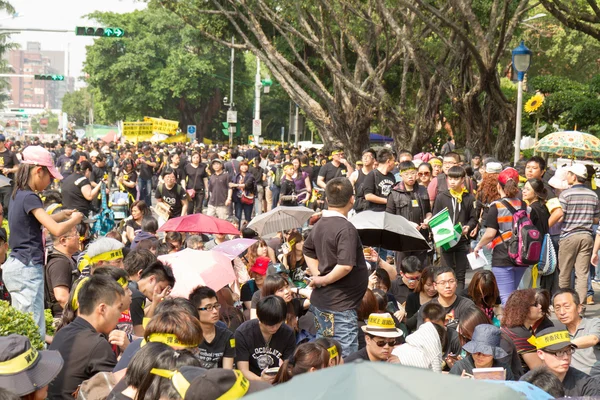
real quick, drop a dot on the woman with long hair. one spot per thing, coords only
(302, 181)
(294, 260)
(259, 249)
(308, 357)
(334, 348)
(229, 314)
(139, 211)
(242, 193)
(127, 179)
(522, 310)
(487, 193)
(423, 293)
(483, 291)
(499, 231)
(543, 298)
(196, 178)
(425, 174)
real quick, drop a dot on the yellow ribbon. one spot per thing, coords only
(550, 339)
(123, 282)
(239, 388)
(534, 276)
(19, 363)
(169, 339)
(108, 256)
(75, 300)
(179, 382)
(333, 352)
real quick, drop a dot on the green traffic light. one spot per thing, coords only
(101, 32)
(225, 124)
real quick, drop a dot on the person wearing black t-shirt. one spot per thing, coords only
(196, 178)
(77, 192)
(145, 165)
(172, 194)
(265, 342)
(338, 167)
(334, 255)
(217, 350)
(66, 162)
(378, 184)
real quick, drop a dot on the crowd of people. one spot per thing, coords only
(304, 299)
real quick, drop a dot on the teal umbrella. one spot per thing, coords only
(378, 380)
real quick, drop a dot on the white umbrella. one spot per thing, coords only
(280, 218)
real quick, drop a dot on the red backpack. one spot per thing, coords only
(525, 245)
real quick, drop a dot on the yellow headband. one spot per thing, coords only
(333, 352)
(408, 169)
(333, 153)
(108, 256)
(541, 342)
(169, 339)
(19, 363)
(179, 382)
(435, 161)
(75, 300)
(239, 388)
(123, 282)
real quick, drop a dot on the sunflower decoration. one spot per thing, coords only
(534, 103)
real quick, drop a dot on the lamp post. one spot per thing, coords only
(521, 60)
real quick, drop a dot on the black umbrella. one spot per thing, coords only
(388, 231)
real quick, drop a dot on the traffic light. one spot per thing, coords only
(48, 77)
(226, 130)
(102, 32)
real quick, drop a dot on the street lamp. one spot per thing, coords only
(521, 60)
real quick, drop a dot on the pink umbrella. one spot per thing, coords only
(235, 247)
(199, 223)
(193, 268)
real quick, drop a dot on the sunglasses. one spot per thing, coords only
(382, 343)
(424, 173)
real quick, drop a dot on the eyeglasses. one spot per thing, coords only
(210, 307)
(424, 174)
(444, 283)
(382, 343)
(561, 353)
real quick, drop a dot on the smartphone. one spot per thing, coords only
(271, 371)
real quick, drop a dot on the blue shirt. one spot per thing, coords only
(25, 238)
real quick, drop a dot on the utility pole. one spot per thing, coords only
(256, 125)
(232, 129)
(296, 127)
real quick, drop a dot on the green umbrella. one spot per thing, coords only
(379, 380)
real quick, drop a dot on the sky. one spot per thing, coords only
(61, 14)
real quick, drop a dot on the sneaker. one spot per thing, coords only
(590, 301)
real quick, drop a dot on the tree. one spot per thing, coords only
(5, 46)
(158, 69)
(581, 15)
(77, 105)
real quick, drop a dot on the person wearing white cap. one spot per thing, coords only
(23, 272)
(581, 210)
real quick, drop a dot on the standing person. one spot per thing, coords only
(487, 193)
(218, 189)
(23, 272)
(460, 205)
(377, 186)
(410, 200)
(242, 192)
(583, 332)
(448, 146)
(9, 164)
(358, 176)
(76, 190)
(581, 210)
(127, 181)
(145, 165)
(439, 183)
(302, 181)
(172, 194)
(196, 183)
(338, 167)
(425, 175)
(60, 271)
(66, 162)
(499, 230)
(334, 254)
(288, 196)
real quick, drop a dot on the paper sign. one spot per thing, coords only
(476, 262)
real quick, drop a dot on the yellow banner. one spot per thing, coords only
(181, 138)
(207, 141)
(165, 126)
(137, 128)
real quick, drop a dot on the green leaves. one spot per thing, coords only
(14, 321)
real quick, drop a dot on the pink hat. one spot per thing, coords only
(260, 265)
(37, 155)
(508, 174)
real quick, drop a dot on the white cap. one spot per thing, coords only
(578, 169)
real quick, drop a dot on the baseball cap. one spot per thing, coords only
(493, 167)
(553, 339)
(37, 155)
(578, 169)
(261, 265)
(216, 160)
(509, 174)
(219, 383)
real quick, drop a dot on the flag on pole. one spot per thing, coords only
(445, 234)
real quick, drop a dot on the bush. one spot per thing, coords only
(50, 330)
(15, 321)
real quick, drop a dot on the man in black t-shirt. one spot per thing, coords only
(175, 197)
(9, 163)
(217, 350)
(333, 252)
(66, 162)
(338, 167)
(60, 271)
(378, 184)
(264, 342)
(146, 165)
(77, 190)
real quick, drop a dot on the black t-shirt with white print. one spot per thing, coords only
(172, 197)
(250, 346)
(380, 185)
(223, 345)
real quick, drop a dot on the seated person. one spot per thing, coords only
(424, 348)
(555, 349)
(483, 352)
(381, 337)
(81, 343)
(264, 342)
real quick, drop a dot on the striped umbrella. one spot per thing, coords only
(280, 218)
(572, 144)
